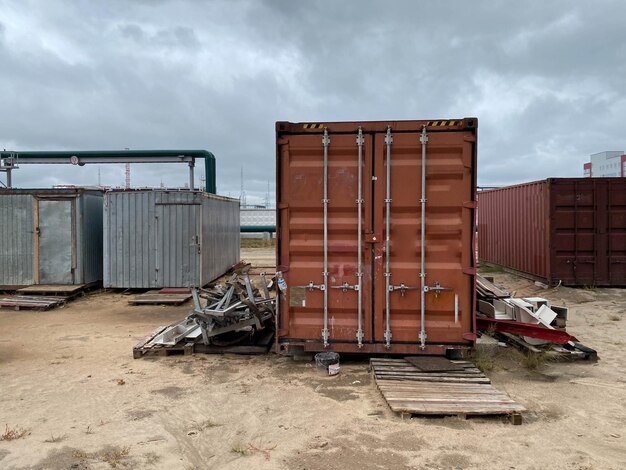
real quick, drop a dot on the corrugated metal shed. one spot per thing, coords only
(168, 238)
(561, 230)
(50, 236)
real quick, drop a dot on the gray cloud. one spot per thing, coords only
(545, 79)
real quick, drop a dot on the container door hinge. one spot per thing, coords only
(423, 337)
(325, 337)
(388, 339)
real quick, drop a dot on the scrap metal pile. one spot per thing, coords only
(225, 314)
(532, 323)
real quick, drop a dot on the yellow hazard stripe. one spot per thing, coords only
(313, 126)
(444, 123)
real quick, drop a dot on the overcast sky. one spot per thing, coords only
(546, 79)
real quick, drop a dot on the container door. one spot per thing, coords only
(448, 238)
(178, 244)
(578, 226)
(55, 241)
(301, 250)
(617, 231)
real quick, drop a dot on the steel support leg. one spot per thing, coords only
(191, 177)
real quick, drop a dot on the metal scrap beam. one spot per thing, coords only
(524, 329)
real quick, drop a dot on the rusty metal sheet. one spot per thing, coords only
(450, 193)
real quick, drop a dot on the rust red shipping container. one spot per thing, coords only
(355, 200)
(561, 230)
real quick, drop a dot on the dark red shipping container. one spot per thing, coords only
(349, 236)
(562, 230)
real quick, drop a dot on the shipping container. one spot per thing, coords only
(168, 238)
(569, 231)
(50, 237)
(355, 201)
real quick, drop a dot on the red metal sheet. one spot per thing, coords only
(451, 182)
(524, 329)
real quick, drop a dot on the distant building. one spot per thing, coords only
(610, 163)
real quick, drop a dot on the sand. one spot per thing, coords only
(68, 378)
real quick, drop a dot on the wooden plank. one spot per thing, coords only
(408, 375)
(458, 401)
(67, 289)
(436, 379)
(53, 298)
(440, 393)
(449, 409)
(381, 362)
(383, 382)
(407, 405)
(138, 349)
(165, 299)
(408, 371)
(411, 406)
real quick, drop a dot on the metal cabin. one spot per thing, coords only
(168, 238)
(50, 237)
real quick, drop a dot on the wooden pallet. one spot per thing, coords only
(410, 391)
(260, 345)
(32, 302)
(166, 296)
(65, 290)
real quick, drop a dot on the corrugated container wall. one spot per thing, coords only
(161, 238)
(50, 236)
(360, 291)
(561, 230)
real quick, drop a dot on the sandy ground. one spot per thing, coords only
(68, 377)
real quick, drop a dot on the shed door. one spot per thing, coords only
(55, 241)
(178, 244)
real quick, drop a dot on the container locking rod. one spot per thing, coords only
(359, 270)
(388, 141)
(423, 141)
(325, 143)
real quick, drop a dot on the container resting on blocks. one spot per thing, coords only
(375, 229)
